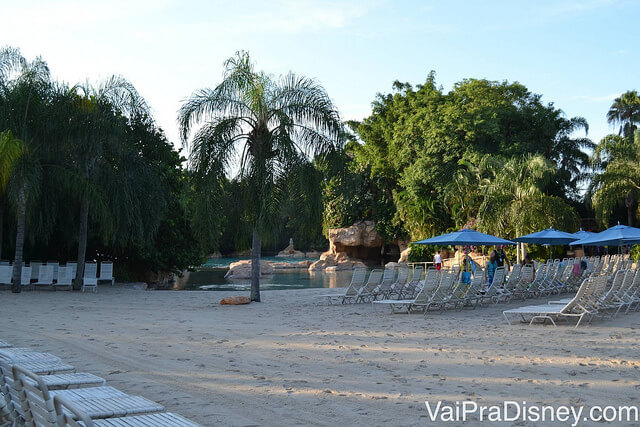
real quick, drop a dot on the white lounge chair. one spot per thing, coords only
(5, 274)
(74, 268)
(4, 344)
(69, 415)
(357, 281)
(25, 277)
(421, 299)
(56, 266)
(365, 294)
(65, 278)
(35, 269)
(577, 307)
(90, 278)
(96, 402)
(106, 272)
(45, 276)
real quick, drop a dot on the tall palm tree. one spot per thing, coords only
(107, 173)
(263, 122)
(25, 89)
(625, 111)
(515, 204)
(10, 150)
(619, 183)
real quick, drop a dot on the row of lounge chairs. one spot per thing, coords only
(446, 289)
(605, 292)
(39, 389)
(56, 276)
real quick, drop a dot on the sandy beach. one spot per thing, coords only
(294, 361)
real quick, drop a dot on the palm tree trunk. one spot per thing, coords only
(17, 260)
(82, 241)
(256, 247)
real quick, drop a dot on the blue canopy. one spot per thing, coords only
(619, 235)
(582, 234)
(550, 236)
(465, 237)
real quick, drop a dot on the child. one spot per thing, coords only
(437, 260)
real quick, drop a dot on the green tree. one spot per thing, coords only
(515, 204)
(619, 183)
(625, 111)
(25, 90)
(271, 121)
(109, 173)
(11, 149)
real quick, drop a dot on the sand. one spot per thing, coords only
(293, 361)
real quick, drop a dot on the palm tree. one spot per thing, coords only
(514, 203)
(619, 183)
(10, 150)
(25, 90)
(625, 111)
(262, 121)
(107, 173)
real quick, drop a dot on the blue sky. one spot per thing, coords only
(577, 54)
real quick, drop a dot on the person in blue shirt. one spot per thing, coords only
(492, 264)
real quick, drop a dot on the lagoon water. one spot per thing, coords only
(213, 271)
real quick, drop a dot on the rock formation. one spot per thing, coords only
(242, 270)
(290, 252)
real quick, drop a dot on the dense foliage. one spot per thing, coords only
(431, 161)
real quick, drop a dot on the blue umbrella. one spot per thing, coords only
(465, 237)
(582, 234)
(619, 235)
(549, 237)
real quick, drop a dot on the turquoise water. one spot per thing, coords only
(224, 262)
(214, 270)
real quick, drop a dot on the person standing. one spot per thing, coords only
(492, 265)
(437, 260)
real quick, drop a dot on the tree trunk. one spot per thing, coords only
(82, 242)
(629, 204)
(17, 260)
(256, 247)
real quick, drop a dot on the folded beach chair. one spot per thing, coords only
(69, 415)
(6, 273)
(45, 276)
(357, 281)
(365, 294)
(97, 402)
(418, 303)
(106, 272)
(90, 278)
(65, 278)
(40, 363)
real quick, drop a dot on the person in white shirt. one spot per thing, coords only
(437, 260)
